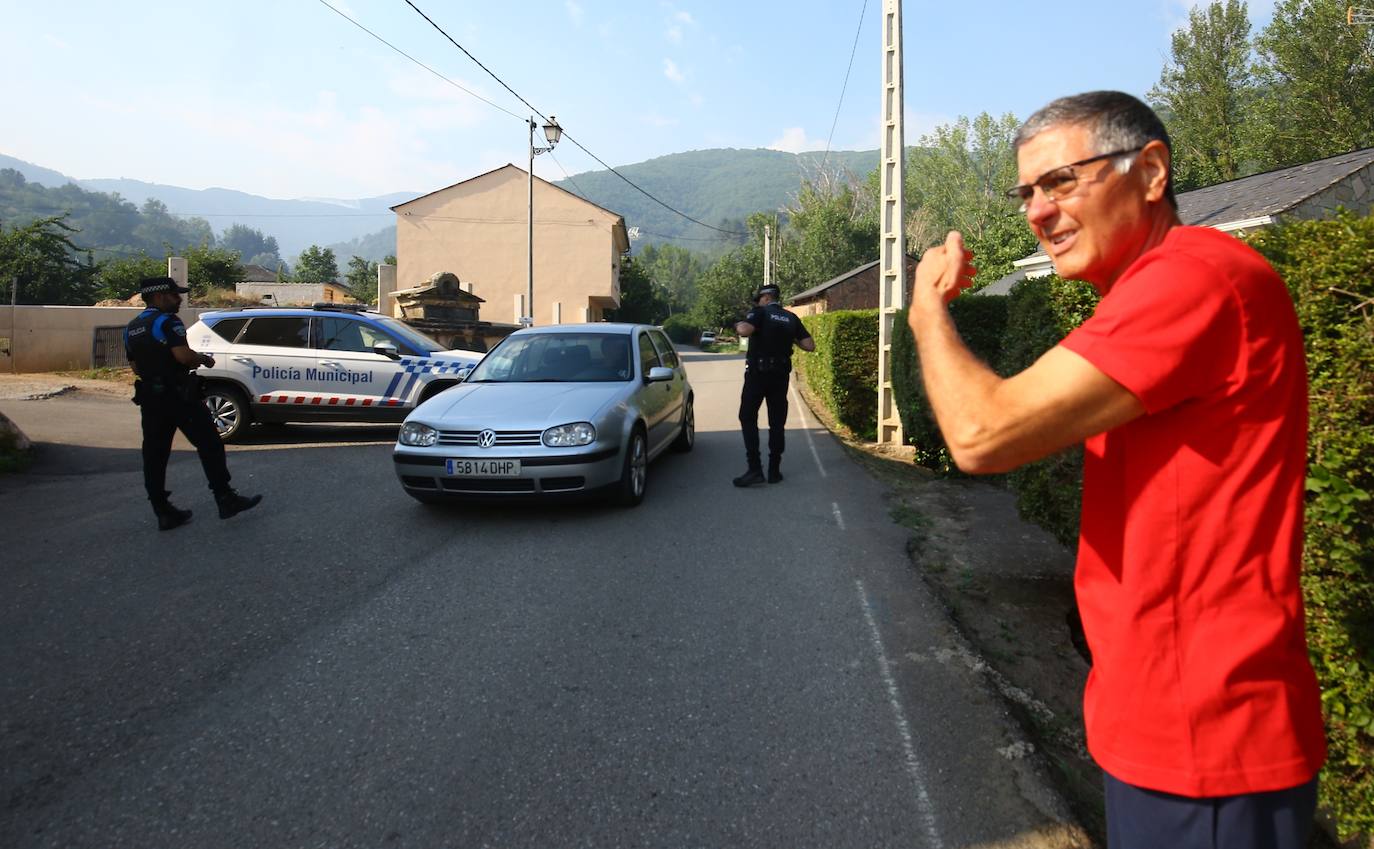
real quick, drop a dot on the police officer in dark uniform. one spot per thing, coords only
(168, 393)
(772, 331)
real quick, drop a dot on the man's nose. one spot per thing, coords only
(1040, 208)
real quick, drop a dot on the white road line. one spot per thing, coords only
(839, 520)
(913, 765)
(801, 411)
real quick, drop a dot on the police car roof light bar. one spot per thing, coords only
(333, 307)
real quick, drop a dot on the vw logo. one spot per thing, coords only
(486, 438)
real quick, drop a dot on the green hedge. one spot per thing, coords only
(1329, 269)
(1041, 312)
(843, 371)
(681, 329)
(982, 323)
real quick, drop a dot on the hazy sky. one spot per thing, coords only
(288, 99)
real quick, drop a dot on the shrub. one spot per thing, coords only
(681, 329)
(981, 321)
(1041, 312)
(843, 372)
(1329, 269)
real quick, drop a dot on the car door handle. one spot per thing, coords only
(248, 360)
(329, 363)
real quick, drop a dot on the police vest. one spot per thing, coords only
(148, 344)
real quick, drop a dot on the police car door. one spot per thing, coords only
(351, 373)
(273, 354)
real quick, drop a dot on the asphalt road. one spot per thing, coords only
(345, 667)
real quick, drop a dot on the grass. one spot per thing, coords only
(110, 373)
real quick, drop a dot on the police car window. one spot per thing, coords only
(648, 357)
(345, 334)
(665, 348)
(228, 328)
(280, 331)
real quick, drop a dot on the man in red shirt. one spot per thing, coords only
(1188, 388)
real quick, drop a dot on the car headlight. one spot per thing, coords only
(563, 436)
(421, 435)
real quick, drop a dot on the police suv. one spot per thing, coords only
(327, 363)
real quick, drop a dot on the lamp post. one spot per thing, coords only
(552, 133)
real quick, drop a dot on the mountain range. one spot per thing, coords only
(718, 187)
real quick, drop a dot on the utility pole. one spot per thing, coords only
(892, 251)
(767, 254)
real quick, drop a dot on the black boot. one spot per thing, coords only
(774, 472)
(168, 516)
(231, 503)
(749, 478)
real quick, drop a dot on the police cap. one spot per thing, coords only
(767, 289)
(152, 285)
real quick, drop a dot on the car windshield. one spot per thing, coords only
(557, 358)
(412, 337)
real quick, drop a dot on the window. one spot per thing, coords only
(228, 328)
(665, 348)
(346, 334)
(648, 357)
(278, 331)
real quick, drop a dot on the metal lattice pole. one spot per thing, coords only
(1360, 15)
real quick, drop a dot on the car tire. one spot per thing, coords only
(228, 408)
(687, 437)
(634, 475)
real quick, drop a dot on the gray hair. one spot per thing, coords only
(1116, 120)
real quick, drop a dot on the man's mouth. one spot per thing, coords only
(1060, 239)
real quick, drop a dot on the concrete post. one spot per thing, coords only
(177, 269)
(519, 309)
(386, 288)
(557, 312)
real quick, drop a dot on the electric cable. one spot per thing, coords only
(566, 134)
(852, 51)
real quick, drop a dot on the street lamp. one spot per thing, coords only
(552, 133)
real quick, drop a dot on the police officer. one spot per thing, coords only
(772, 331)
(168, 393)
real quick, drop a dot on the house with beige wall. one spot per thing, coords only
(477, 229)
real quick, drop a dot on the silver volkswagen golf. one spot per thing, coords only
(559, 410)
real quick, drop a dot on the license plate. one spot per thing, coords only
(483, 468)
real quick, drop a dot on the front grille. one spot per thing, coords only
(562, 484)
(488, 485)
(503, 437)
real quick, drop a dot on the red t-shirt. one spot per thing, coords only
(1191, 536)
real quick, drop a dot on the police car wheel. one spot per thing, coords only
(635, 474)
(687, 437)
(228, 410)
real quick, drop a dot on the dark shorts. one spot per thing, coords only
(1148, 819)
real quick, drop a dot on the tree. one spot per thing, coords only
(211, 268)
(832, 227)
(40, 256)
(362, 279)
(638, 301)
(119, 278)
(1316, 77)
(956, 178)
(723, 290)
(1207, 93)
(674, 272)
(248, 242)
(316, 265)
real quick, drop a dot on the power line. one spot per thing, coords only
(566, 134)
(422, 64)
(863, 14)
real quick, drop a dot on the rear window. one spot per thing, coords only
(278, 331)
(228, 328)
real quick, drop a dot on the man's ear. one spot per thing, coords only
(1154, 169)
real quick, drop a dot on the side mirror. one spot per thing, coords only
(464, 372)
(388, 350)
(658, 374)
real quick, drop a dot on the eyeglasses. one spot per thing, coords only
(1057, 183)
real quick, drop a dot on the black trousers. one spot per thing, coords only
(1146, 819)
(759, 387)
(162, 418)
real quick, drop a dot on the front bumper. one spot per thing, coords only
(423, 471)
